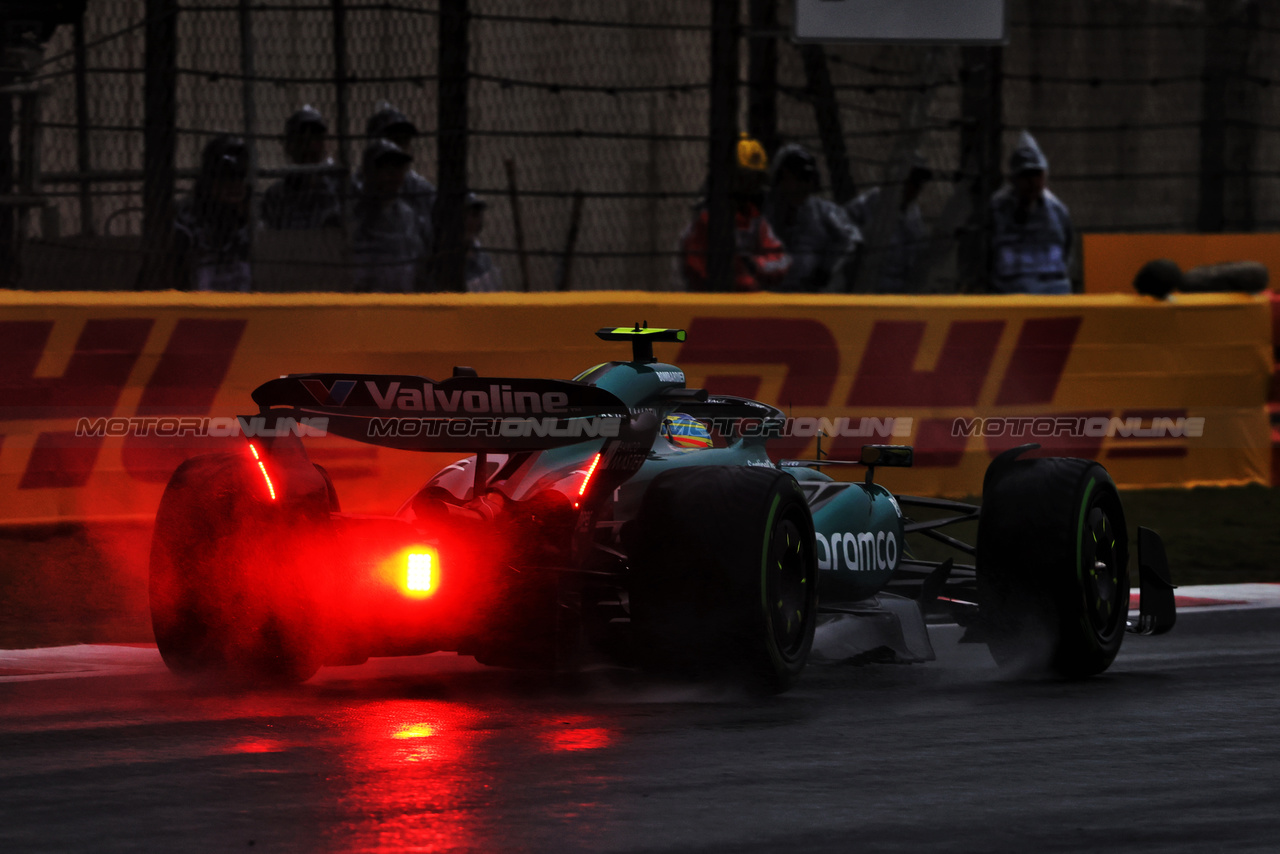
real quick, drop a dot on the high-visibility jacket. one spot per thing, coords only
(759, 263)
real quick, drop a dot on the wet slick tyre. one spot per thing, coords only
(228, 597)
(1053, 581)
(725, 576)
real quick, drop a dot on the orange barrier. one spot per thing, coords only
(1273, 399)
(1112, 260)
(1161, 393)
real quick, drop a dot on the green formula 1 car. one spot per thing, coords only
(619, 514)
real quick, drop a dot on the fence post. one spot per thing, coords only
(1243, 148)
(84, 155)
(451, 168)
(1228, 40)
(341, 123)
(826, 110)
(159, 142)
(762, 74)
(724, 125)
(8, 241)
(982, 108)
(249, 108)
(517, 222)
(1213, 115)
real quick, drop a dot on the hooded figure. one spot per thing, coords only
(211, 226)
(817, 233)
(388, 240)
(482, 274)
(420, 194)
(1030, 228)
(304, 200)
(908, 237)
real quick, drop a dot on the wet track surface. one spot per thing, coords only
(1176, 748)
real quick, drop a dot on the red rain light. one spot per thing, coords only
(263, 468)
(419, 580)
(582, 490)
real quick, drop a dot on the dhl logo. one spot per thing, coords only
(886, 382)
(968, 374)
(186, 379)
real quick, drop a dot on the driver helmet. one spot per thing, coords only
(685, 431)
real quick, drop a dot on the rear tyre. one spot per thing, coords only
(725, 576)
(1053, 580)
(229, 596)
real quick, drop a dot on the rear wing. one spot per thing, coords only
(460, 414)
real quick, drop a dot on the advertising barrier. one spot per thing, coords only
(105, 394)
(1273, 399)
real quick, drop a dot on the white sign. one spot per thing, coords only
(905, 21)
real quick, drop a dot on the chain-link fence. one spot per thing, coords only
(587, 126)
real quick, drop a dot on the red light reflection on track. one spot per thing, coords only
(571, 734)
(412, 776)
(427, 775)
(256, 745)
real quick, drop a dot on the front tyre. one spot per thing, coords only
(725, 576)
(1052, 559)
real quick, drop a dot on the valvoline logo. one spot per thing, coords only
(489, 399)
(326, 396)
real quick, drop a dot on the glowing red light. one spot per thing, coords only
(271, 489)
(582, 490)
(419, 574)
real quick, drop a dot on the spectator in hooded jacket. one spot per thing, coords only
(482, 274)
(310, 199)
(211, 226)
(907, 237)
(388, 239)
(394, 126)
(760, 261)
(1030, 229)
(817, 233)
